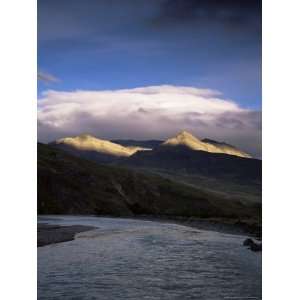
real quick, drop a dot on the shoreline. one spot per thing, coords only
(227, 226)
(51, 234)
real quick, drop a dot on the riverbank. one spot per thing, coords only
(229, 226)
(51, 234)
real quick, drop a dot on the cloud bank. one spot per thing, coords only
(153, 112)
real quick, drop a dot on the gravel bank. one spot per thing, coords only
(51, 234)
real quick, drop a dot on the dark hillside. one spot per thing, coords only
(72, 185)
(187, 161)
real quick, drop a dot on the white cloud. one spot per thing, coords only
(148, 112)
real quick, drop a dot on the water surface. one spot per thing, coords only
(135, 259)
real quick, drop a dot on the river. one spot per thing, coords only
(136, 260)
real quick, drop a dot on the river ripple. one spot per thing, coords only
(134, 259)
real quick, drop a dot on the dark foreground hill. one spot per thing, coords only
(72, 185)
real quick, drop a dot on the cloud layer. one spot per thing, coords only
(154, 112)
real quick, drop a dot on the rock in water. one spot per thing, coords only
(248, 242)
(252, 245)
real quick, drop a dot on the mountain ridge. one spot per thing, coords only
(124, 148)
(184, 138)
(100, 150)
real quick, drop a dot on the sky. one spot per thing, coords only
(149, 68)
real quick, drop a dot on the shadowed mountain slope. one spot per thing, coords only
(187, 161)
(72, 185)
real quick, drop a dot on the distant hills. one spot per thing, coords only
(182, 154)
(104, 150)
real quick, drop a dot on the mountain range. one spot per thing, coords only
(89, 145)
(183, 154)
(181, 176)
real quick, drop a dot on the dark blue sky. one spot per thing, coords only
(113, 44)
